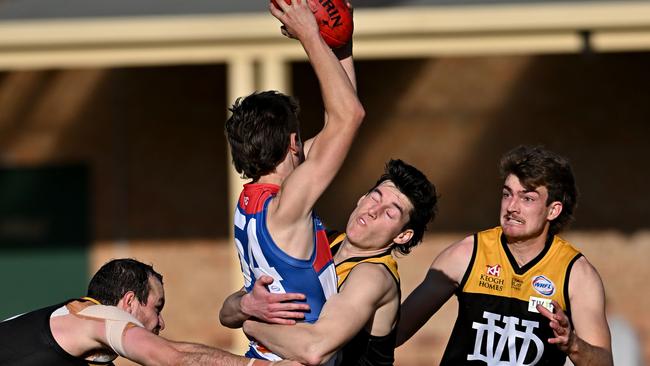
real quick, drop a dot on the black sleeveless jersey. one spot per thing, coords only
(497, 322)
(27, 340)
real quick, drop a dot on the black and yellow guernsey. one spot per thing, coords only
(27, 340)
(366, 349)
(497, 322)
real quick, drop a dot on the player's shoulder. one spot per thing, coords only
(582, 269)
(373, 275)
(461, 249)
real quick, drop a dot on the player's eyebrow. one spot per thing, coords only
(399, 208)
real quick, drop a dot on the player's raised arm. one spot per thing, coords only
(344, 111)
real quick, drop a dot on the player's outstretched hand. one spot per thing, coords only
(297, 18)
(559, 322)
(270, 307)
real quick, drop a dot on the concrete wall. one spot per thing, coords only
(153, 139)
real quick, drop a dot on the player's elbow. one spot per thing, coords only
(316, 354)
(226, 321)
(314, 359)
(175, 357)
(357, 113)
(349, 115)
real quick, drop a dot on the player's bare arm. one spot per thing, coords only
(147, 349)
(367, 289)
(304, 186)
(444, 275)
(277, 308)
(589, 342)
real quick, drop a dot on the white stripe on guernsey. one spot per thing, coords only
(63, 310)
(328, 281)
(263, 267)
(240, 219)
(242, 261)
(13, 317)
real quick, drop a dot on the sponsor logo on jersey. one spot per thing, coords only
(494, 270)
(506, 345)
(491, 283)
(490, 279)
(534, 301)
(543, 285)
(516, 283)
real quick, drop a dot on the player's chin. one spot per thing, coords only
(513, 231)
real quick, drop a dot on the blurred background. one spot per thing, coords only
(112, 145)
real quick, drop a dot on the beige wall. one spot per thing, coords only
(153, 140)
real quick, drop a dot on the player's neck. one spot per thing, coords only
(526, 249)
(280, 173)
(271, 178)
(349, 250)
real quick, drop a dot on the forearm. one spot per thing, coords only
(200, 355)
(299, 342)
(582, 353)
(344, 54)
(231, 315)
(337, 81)
(423, 303)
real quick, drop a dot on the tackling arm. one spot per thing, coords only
(342, 317)
(149, 349)
(262, 305)
(442, 279)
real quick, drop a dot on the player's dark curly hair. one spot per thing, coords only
(535, 167)
(259, 130)
(421, 193)
(119, 276)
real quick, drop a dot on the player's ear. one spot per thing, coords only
(554, 210)
(127, 302)
(403, 237)
(294, 143)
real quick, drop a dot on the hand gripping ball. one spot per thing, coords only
(334, 20)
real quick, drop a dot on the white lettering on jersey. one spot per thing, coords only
(491, 332)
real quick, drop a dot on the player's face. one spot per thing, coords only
(149, 314)
(524, 213)
(379, 217)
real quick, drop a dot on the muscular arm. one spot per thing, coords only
(328, 149)
(262, 305)
(589, 342)
(442, 279)
(149, 349)
(367, 288)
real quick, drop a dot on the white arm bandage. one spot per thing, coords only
(116, 320)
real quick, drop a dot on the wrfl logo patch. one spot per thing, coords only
(543, 285)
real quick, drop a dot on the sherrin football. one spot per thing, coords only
(334, 20)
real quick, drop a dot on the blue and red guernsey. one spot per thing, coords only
(259, 255)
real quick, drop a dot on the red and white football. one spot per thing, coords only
(334, 20)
